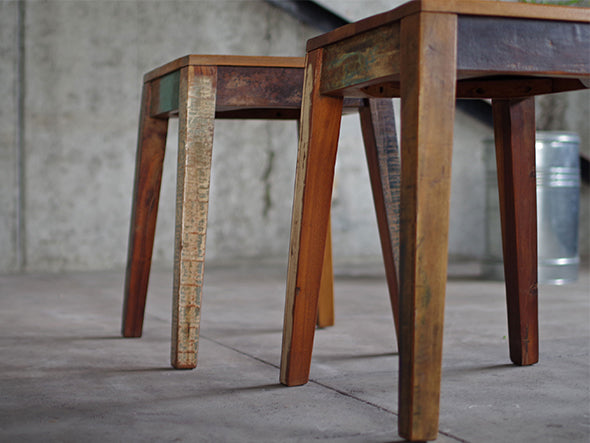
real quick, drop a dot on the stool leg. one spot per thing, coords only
(151, 146)
(197, 93)
(326, 296)
(514, 128)
(378, 126)
(318, 141)
(428, 77)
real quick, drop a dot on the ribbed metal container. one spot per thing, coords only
(558, 205)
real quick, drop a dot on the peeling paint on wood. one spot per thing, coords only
(196, 123)
(369, 56)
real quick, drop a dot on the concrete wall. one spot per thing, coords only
(83, 64)
(8, 135)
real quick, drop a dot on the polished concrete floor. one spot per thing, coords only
(66, 375)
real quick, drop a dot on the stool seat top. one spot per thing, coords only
(225, 60)
(460, 7)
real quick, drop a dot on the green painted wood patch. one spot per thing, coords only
(168, 93)
(371, 55)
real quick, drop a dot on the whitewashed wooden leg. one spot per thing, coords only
(197, 93)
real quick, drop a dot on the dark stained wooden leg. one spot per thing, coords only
(428, 76)
(514, 129)
(378, 125)
(326, 296)
(318, 141)
(197, 94)
(151, 146)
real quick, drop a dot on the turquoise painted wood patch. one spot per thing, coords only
(361, 58)
(168, 94)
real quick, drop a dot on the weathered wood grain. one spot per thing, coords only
(371, 56)
(320, 125)
(514, 131)
(149, 162)
(195, 143)
(259, 87)
(522, 46)
(381, 148)
(428, 43)
(243, 92)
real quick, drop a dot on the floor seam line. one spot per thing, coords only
(338, 391)
(239, 351)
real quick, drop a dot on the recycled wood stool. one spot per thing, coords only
(428, 53)
(198, 89)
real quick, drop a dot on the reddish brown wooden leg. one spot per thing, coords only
(514, 129)
(196, 119)
(326, 296)
(318, 141)
(151, 146)
(378, 125)
(428, 77)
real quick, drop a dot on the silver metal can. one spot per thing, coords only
(558, 205)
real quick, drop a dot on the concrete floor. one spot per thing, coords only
(66, 375)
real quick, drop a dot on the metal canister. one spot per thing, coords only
(558, 206)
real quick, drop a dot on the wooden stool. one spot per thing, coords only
(428, 53)
(199, 89)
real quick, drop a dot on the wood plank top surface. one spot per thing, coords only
(490, 8)
(225, 60)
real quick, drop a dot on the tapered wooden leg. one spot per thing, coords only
(326, 296)
(318, 141)
(197, 93)
(428, 60)
(378, 126)
(514, 129)
(151, 146)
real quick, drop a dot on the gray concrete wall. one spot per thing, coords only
(83, 67)
(8, 134)
(84, 64)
